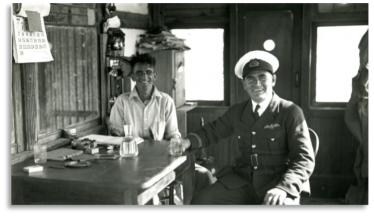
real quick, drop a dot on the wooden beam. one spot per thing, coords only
(103, 78)
(72, 14)
(199, 19)
(193, 6)
(201, 12)
(233, 52)
(17, 106)
(74, 113)
(29, 103)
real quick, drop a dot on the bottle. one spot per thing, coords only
(128, 148)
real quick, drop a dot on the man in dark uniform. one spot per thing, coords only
(276, 158)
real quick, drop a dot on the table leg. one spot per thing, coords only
(188, 178)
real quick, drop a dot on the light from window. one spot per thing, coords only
(337, 61)
(203, 63)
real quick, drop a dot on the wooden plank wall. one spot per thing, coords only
(224, 152)
(333, 173)
(74, 72)
(25, 76)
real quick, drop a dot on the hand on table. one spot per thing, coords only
(275, 196)
(177, 146)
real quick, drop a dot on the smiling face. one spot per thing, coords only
(259, 85)
(144, 76)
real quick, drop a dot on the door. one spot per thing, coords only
(280, 25)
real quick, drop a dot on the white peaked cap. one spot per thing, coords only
(256, 54)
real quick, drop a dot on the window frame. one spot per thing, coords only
(226, 61)
(313, 82)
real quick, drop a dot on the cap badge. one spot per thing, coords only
(253, 63)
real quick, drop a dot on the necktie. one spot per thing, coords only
(256, 114)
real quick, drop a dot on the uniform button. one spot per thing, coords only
(253, 146)
(238, 137)
(254, 133)
(272, 139)
(255, 168)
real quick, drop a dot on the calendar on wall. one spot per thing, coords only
(29, 47)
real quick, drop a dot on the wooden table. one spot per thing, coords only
(120, 181)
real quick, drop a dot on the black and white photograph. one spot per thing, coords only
(180, 108)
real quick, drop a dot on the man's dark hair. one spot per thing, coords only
(142, 58)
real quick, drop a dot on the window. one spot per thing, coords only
(204, 64)
(336, 62)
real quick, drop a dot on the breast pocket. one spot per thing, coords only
(277, 141)
(243, 138)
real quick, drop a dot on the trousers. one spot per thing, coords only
(218, 194)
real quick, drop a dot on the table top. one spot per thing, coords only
(152, 164)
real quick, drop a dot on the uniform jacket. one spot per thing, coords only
(280, 138)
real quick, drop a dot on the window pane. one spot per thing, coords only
(203, 63)
(68, 90)
(337, 61)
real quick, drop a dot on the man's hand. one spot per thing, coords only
(275, 196)
(177, 146)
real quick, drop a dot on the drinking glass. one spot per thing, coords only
(40, 154)
(175, 147)
(158, 130)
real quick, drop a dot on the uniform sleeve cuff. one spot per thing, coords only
(291, 186)
(195, 141)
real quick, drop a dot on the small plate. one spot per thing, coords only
(107, 156)
(77, 164)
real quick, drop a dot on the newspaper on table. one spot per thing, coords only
(29, 47)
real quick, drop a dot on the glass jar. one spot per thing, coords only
(128, 147)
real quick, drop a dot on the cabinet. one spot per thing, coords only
(170, 74)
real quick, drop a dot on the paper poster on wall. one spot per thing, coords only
(29, 47)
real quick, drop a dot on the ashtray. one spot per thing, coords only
(107, 156)
(78, 164)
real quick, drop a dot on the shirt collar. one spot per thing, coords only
(155, 93)
(263, 105)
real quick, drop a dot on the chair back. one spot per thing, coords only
(315, 141)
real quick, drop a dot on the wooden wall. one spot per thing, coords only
(201, 14)
(224, 152)
(333, 173)
(25, 76)
(74, 72)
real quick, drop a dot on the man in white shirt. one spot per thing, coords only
(145, 107)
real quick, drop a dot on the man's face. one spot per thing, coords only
(144, 76)
(259, 85)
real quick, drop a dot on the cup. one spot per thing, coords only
(158, 130)
(175, 147)
(127, 129)
(40, 154)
